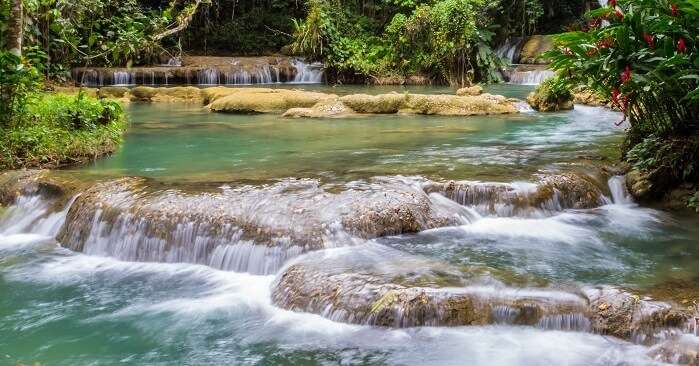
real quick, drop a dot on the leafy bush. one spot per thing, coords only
(447, 39)
(645, 60)
(61, 129)
(643, 55)
(554, 90)
(17, 81)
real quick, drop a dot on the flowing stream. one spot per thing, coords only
(188, 264)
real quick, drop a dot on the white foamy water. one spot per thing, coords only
(166, 302)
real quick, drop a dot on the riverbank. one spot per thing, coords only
(56, 130)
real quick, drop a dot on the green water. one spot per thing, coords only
(180, 142)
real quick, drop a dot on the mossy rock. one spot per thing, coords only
(470, 90)
(143, 93)
(375, 104)
(112, 92)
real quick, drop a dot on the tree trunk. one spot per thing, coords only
(15, 28)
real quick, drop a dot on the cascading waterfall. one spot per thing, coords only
(308, 73)
(123, 78)
(531, 77)
(228, 72)
(617, 187)
(510, 49)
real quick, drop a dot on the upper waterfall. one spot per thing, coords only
(204, 70)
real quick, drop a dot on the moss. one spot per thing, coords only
(59, 130)
(551, 95)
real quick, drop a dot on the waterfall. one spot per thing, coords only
(32, 213)
(208, 77)
(617, 186)
(174, 62)
(533, 77)
(510, 49)
(123, 78)
(308, 73)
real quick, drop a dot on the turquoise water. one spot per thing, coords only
(59, 307)
(180, 142)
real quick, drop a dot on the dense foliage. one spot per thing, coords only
(644, 55)
(447, 40)
(58, 129)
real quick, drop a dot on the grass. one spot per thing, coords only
(57, 130)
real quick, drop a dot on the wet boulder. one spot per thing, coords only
(552, 193)
(387, 288)
(534, 47)
(246, 228)
(543, 102)
(626, 315)
(51, 185)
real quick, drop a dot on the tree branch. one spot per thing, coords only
(182, 24)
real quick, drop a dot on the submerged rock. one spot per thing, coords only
(386, 288)
(551, 193)
(680, 349)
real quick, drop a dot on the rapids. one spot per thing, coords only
(386, 240)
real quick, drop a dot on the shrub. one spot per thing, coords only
(17, 83)
(59, 129)
(643, 55)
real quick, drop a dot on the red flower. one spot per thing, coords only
(605, 43)
(681, 46)
(615, 96)
(674, 10)
(612, 3)
(619, 14)
(626, 75)
(594, 23)
(591, 52)
(649, 39)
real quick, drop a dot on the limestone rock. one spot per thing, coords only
(322, 109)
(389, 288)
(261, 100)
(542, 104)
(471, 90)
(625, 315)
(112, 92)
(533, 47)
(375, 104)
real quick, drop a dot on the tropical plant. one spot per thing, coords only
(18, 80)
(644, 56)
